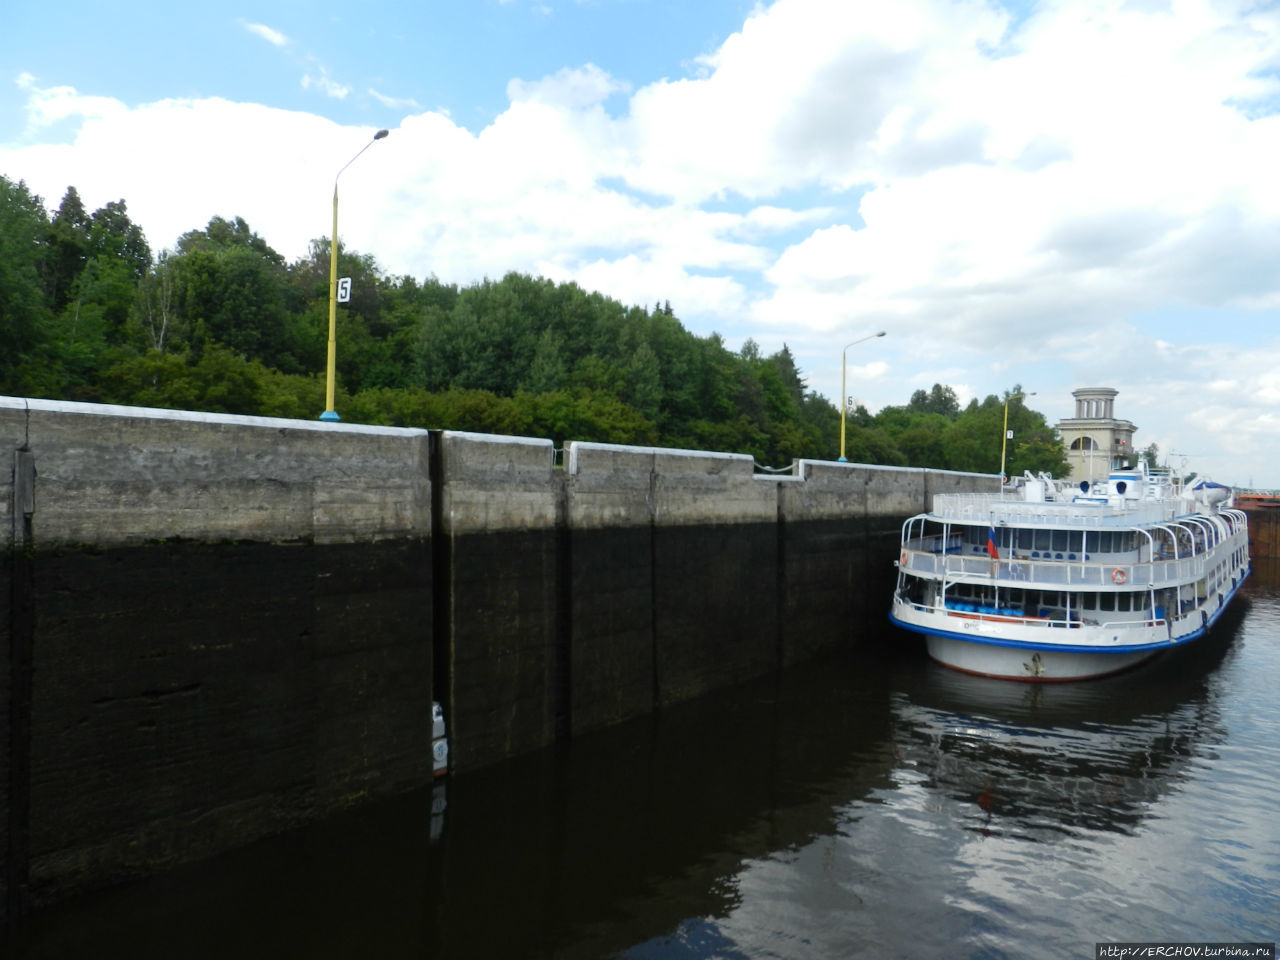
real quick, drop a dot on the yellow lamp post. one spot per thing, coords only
(844, 400)
(329, 412)
(1004, 437)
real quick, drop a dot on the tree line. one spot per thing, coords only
(223, 323)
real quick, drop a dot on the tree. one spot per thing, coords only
(112, 235)
(229, 287)
(24, 231)
(940, 400)
(155, 317)
(789, 374)
(547, 370)
(68, 244)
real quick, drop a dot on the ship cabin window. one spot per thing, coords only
(1051, 542)
(1113, 602)
(976, 539)
(1110, 541)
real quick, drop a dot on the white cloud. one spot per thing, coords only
(273, 37)
(47, 106)
(395, 103)
(569, 88)
(320, 80)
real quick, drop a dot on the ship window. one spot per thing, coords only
(1107, 601)
(1026, 539)
(1043, 539)
(1059, 540)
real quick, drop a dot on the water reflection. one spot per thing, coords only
(582, 851)
(629, 834)
(1043, 759)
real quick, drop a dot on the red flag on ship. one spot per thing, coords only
(991, 543)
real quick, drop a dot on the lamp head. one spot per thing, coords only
(380, 134)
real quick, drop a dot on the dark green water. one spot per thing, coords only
(872, 805)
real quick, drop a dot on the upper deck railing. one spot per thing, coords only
(1119, 571)
(986, 508)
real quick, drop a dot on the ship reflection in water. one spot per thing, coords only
(1044, 760)
(877, 806)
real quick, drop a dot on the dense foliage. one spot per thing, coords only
(223, 323)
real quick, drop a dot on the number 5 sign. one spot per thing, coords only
(344, 289)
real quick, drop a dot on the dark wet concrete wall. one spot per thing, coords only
(188, 698)
(219, 628)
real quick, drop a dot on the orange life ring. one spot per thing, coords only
(904, 558)
(1118, 576)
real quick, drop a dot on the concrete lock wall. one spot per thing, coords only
(222, 626)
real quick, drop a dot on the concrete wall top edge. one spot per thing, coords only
(497, 438)
(492, 467)
(962, 473)
(806, 465)
(194, 416)
(575, 449)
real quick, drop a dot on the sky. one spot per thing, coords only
(1049, 195)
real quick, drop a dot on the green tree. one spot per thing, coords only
(644, 381)
(1151, 456)
(24, 231)
(547, 370)
(973, 440)
(229, 288)
(68, 244)
(921, 441)
(940, 399)
(155, 322)
(111, 234)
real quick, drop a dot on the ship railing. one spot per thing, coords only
(995, 509)
(1117, 572)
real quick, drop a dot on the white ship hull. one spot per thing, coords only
(1067, 587)
(1022, 663)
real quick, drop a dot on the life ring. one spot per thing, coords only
(1118, 576)
(904, 558)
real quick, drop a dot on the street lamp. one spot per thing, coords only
(844, 400)
(329, 412)
(1004, 437)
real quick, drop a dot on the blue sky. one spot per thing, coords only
(1061, 194)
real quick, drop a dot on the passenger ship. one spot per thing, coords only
(1049, 582)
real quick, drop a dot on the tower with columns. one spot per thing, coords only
(1096, 441)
